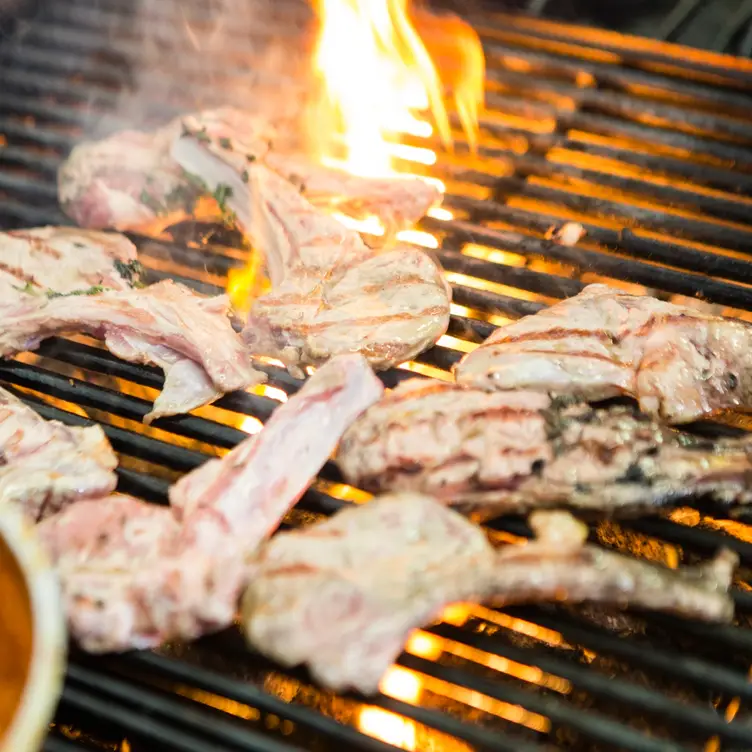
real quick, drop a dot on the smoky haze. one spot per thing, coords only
(170, 57)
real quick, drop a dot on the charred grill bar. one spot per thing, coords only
(649, 147)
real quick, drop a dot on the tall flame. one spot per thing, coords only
(378, 75)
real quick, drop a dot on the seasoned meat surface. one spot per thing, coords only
(397, 202)
(343, 595)
(131, 580)
(126, 181)
(136, 574)
(64, 260)
(249, 490)
(166, 324)
(130, 181)
(679, 363)
(330, 293)
(499, 452)
(46, 465)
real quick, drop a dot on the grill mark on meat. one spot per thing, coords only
(368, 321)
(37, 243)
(18, 272)
(345, 608)
(613, 460)
(551, 334)
(569, 354)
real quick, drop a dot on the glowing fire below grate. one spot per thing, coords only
(379, 83)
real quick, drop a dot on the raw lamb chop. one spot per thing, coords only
(330, 293)
(45, 465)
(679, 363)
(235, 491)
(125, 181)
(130, 180)
(509, 452)
(131, 580)
(342, 596)
(63, 260)
(135, 575)
(189, 337)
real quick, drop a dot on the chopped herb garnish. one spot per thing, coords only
(221, 194)
(250, 157)
(225, 143)
(244, 176)
(131, 272)
(28, 287)
(202, 135)
(94, 290)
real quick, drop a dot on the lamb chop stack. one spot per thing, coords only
(514, 434)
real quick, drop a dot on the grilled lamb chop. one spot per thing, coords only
(398, 202)
(135, 575)
(130, 181)
(679, 363)
(330, 293)
(509, 452)
(125, 181)
(64, 260)
(45, 465)
(190, 338)
(343, 595)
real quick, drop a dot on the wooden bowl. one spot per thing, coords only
(32, 636)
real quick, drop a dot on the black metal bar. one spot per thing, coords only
(181, 714)
(249, 694)
(733, 26)
(681, 14)
(594, 726)
(703, 720)
(168, 736)
(680, 666)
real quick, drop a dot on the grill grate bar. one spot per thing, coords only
(596, 131)
(649, 701)
(167, 735)
(144, 701)
(248, 694)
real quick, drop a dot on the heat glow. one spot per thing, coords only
(380, 82)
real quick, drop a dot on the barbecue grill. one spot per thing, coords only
(649, 146)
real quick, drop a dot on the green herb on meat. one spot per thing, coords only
(225, 143)
(132, 272)
(94, 290)
(28, 288)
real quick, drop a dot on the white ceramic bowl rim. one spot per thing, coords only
(45, 676)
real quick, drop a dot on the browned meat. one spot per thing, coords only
(135, 575)
(189, 337)
(45, 465)
(680, 363)
(342, 596)
(498, 452)
(64, 260)
(330, 293)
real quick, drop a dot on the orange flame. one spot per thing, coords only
(377, 73)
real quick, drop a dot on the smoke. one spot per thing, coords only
(185, 55)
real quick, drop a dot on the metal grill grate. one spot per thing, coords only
(649, 146)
